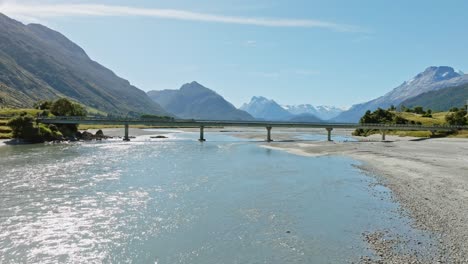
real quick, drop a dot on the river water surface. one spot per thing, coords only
(181, 201)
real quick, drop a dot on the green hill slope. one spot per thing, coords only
(440, 100)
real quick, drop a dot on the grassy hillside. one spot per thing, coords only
(440, 100)
(436, 119)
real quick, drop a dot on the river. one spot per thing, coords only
(176, 200)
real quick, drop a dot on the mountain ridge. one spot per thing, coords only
(440, 100)
(431, 79)
(266, 109)
(323, 112)
(194, 101)
(38, 63)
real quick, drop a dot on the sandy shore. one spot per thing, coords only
(429, 177)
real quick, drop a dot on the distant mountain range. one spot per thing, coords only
(266, 109)
(37, 63)
(194, 101)
(432, 79)
(322, 112)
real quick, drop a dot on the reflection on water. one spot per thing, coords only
(222, 201)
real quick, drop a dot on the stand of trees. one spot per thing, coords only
(24, 126)
(417, 110)
(380, 116)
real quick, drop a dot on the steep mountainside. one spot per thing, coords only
(433, 78)
(195, 101)
(440, 100)
(263, 108)
(37, 63)
(322, 112)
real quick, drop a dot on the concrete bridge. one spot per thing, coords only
(177, 123)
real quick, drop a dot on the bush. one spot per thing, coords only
(47, 133)
(22, 127)
(457, 118)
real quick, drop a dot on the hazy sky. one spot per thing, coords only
(294, 51)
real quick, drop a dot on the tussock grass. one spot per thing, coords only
(17, 111)
(5, 129)
(5, 135)
(436, 119)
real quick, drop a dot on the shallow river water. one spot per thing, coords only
(181, 201)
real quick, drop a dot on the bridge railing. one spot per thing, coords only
(233, 122)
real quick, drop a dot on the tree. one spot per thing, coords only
(419, 110)
(457, 118)
(65, 107)
(43, 105)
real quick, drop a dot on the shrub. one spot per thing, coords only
(457, 118)
(22, 127)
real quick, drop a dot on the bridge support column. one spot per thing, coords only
(126, 138)
(202, 134)
(383, 134)
(269, 134)
(329, 130)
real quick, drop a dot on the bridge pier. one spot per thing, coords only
(269, 134)
(126, 138)
(383, 132)
(329, 130)
(202, 134)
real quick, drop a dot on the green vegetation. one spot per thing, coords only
(9, 112)
(23, 125)
(156, 117)
(417, 110)
(440, 100)
(379, 116)
(416, 115)
(457, 118)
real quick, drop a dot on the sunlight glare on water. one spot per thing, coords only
(183, 202)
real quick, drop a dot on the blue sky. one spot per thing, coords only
(305, 51)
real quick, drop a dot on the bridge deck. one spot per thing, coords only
(223, 123)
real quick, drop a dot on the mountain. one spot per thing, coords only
(432, 79)
(322, 112)
(306, 117)
(194, 101)
(37, 63)
(263, 108)
(440, 100)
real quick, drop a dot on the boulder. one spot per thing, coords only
(87, 136)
